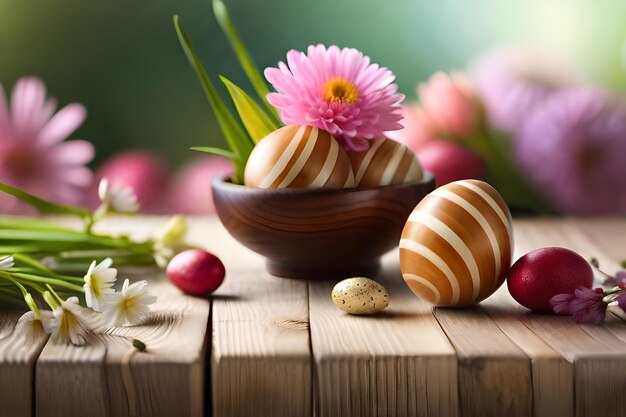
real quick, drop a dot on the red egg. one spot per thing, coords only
(543, 273)
(449, 162)
(196, 272)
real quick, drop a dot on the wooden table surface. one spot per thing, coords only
(266, 346)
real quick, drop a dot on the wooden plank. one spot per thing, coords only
(494, 374)
(398, 363)
(17, 368)
(261, 358)
(109, 377)
(598, 355)
(552, 374)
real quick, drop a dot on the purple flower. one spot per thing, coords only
(560, 303)
(573, 149)
(620, 279)
(512, 82)
(621, 301)
(587, 305)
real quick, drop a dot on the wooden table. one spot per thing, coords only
(280, 348)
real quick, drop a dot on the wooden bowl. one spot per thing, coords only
(318, 234)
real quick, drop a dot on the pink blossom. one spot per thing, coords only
(560, 303)
(336, 90)
(190, 192)
(586, 305)
(418, 128)
(452, 103)
(33, 154)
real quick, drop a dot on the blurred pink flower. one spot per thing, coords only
(513, 81)
(418, 129)
(190, 192)
(572, 148)
(33, 156)
(144, 173)
(336, 90)
(450, 162)
(451, 102)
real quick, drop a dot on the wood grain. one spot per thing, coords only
(109, 377)
(17, 368)
(552, 374)
(261, 360)
(494, 374)
(398, 363)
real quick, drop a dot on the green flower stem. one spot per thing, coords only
(48, 280)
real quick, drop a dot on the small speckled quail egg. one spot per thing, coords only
(360, 296)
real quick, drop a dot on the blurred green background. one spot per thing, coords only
(122, 59)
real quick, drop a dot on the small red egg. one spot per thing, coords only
(543, 273)
(196, 272)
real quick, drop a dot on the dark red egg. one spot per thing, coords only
(196, 272)
(543, 273)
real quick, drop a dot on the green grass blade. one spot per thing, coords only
(42, 205)
(223, 19)
(236, 137)
(20, 222)
(215, 151)
(37, 236)
(254, 118)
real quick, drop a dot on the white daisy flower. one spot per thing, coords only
(6, 262)
(71, 323)
(99, 281)
(130, 305)
(117, 199)
(33, 325)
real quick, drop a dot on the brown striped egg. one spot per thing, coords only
(298, 157)
(386, 162)
(456, 246)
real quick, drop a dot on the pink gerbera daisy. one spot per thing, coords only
(33, 156)
(336, 90)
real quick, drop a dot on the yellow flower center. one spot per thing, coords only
(340, 90)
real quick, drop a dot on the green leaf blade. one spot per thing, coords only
(43, 206)
(256, 121)
(245, 60)
(235, 135)
(215, 151)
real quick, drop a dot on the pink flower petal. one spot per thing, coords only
(27, 105)
(63, 124)
(300, 99)
(76, 152)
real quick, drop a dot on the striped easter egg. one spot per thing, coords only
(386, 162)
(456, 246)
(298, 157)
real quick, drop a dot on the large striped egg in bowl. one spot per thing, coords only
(297, 156)
(456, 246)
(386, 162)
